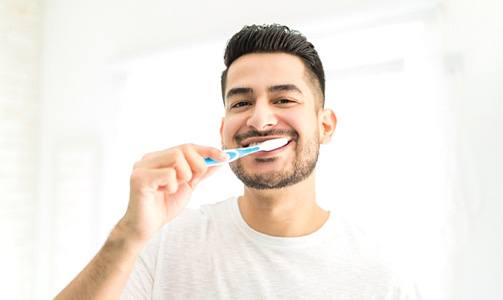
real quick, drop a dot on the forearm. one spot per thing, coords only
(107, 273)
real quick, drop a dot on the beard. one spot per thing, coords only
(303, 164)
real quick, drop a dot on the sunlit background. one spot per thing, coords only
(88, 87)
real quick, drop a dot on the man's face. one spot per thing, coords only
(270, 95)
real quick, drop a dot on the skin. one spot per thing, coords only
(162, 182)
(290, 211)
(161, 185)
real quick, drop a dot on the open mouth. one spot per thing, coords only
(253, 142)
(272, 153)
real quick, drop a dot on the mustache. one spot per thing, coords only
(255, 133)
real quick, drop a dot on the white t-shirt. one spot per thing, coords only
(212, 253)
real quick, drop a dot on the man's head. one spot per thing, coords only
(274, 87)
(274, 39)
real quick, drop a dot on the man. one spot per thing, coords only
(272, 242)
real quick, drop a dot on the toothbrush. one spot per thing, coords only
(241, 152)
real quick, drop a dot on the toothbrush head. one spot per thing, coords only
(273, 144)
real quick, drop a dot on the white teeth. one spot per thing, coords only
(251, 144)
(255, 143)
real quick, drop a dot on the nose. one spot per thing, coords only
(262, 117)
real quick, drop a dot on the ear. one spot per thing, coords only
(327, 122)
(222, 133)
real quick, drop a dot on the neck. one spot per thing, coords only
(285, 212)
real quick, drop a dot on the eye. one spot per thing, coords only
(240, 104)
(283, 101)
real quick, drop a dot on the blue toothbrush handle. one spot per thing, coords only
(211, 162)
(233, 155)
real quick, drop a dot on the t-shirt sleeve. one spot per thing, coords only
(139, 284)
(399, 285)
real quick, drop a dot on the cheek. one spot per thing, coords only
(303, 124)
(230, 128)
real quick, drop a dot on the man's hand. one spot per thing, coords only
(161, 184)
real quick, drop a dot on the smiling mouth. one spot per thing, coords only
(256, 142)
(268, 156)
(254, 137)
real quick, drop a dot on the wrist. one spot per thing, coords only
(124, 235)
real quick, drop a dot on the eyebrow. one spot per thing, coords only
(272, 89)
(284, 88)
(238, 91)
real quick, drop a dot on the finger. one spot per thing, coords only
(154, 179)
(211, 152)
(166, 158)
(199, 168)
(159, 159)
(196, 162)
(183, 170)
(164, 179)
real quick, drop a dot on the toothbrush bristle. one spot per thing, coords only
(273, 144)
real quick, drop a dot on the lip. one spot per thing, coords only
(248, 141)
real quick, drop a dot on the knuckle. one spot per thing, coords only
(200, 168)
(182, 148)
(185, 174)
(137, 164)
(187, 146)
(146, 156)
(177, 154)
(137, 177)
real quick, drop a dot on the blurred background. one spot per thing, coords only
(88, 87)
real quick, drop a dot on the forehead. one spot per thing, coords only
(261, 70)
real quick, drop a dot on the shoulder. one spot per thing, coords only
(366, 250)
(354, 239)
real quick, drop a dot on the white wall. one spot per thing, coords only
(474, 47)
(19, 110)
